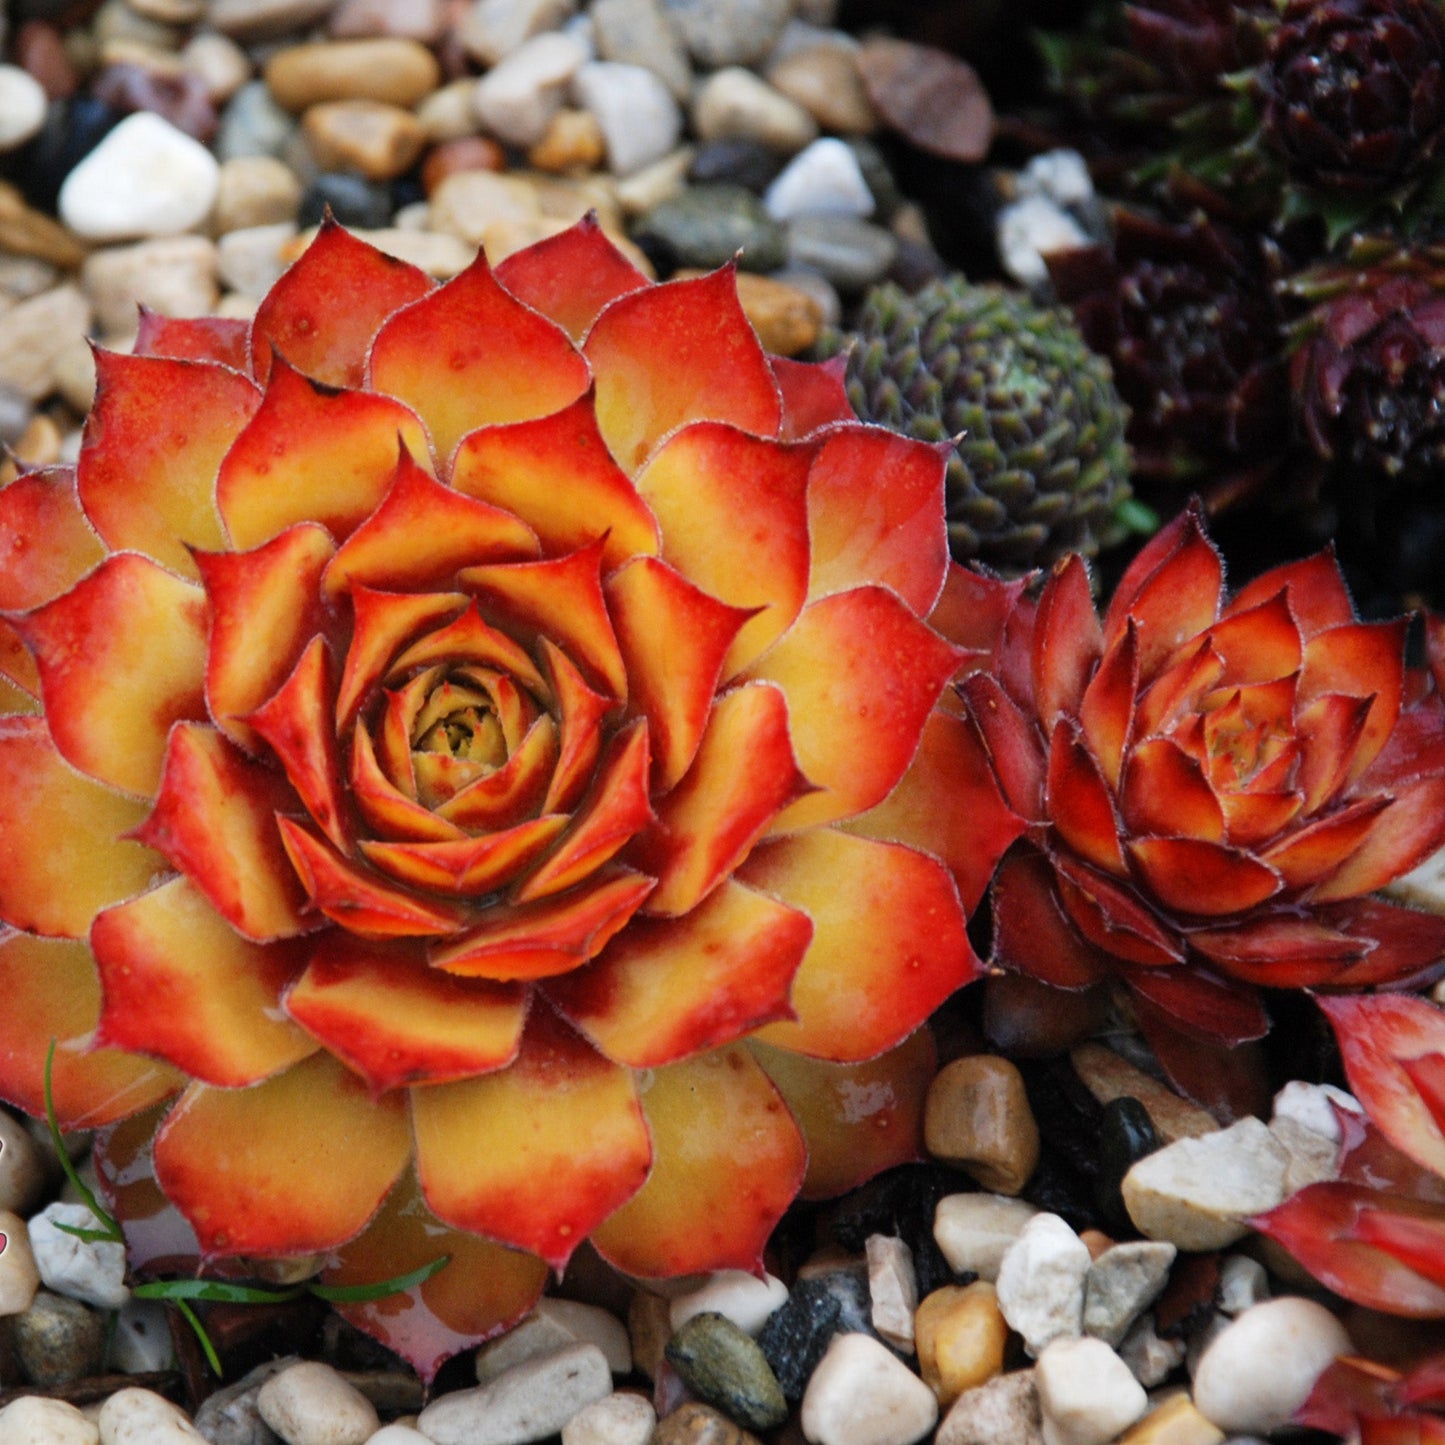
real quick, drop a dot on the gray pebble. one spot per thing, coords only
(252, 124)
(708, 225)
(724, 1365)
(640, 120)
(637, 32)
(851, 254)
(729, 32)
(492, 29)
(58, 1340)
(230, 1415)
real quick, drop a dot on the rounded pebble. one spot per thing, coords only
(36, 1420)
(974, 1231)
(1261, 1367)
(1086, 1393)
(310, 1404)
(862, 1394)
(141, 1417)
(370, 136)
(728, 32)
(516, 100)
(623, 1418)
(735, 104)
(146, 178)
(399, 72)
(22, 106)
(823, 78)
(724, 1366)
(960, 1334)
(709, 225)
(22, 1170)
(976, 1114)
(19, 1277)
(851, 254)
(58, 1340)
(735, 1294)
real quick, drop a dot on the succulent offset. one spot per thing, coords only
(1039, 465)
(457, 739)
(1214, 788)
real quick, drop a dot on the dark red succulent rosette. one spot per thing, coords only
(1353, 92)
(1194, 44)
(1214, 787)
(1189, 318)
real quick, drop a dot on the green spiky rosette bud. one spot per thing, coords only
(1041, 467)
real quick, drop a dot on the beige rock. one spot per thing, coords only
(1005, 1411)
(311, 1404)
(39, 444)
(959, 1334)
(399, 72)
(623, 1418)
(175, 275)
(977, 1116)
(467, 203)
(1109, 1077)
(492, 29)
(449, 113)
(824, 80)
(237, 306)
(34, 334)
(28, 232)
(975, 1231)
(134, 1416)
(438, 255)
(1175, 1422)
(19, 1276)
(733, 103)
(247, 20)
(1197, 1193)
(572, 142)
(120, 20)
(255, 191)
(1313, 1157)
(862, 1394)
(22, 1166)
(221, 64)
(379, 140)
(74, 375)
(24, 276)
(653, 184)
(250, 261)
(38, 1420)
(892, 1289)
(1086, 1393)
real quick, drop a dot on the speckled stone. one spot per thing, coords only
(728, 32)
(725, 1367)
(796, 1336)
(1005, 1411)
(708, 226)
(694, 1423)
(58, 1340)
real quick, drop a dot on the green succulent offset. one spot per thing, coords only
(1040, 464)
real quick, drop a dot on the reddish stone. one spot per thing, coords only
(39, 49)
(931, 98)
(468, 153)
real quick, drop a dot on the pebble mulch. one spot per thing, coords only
(1051, 1277)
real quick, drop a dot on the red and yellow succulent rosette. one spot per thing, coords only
(474, 780)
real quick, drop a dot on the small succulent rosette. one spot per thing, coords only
(1215, 787)
(474, 782)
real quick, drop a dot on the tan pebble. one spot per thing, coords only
(1096, 1242)
(19, 1276)
(824, 80)
(450, 112)
(175, 275)
(465, 153)
(237, 307)
(169, 12)
(653, 184)
(221, 64)
(786, 319)
(572, 142)
(39, 443)
(466, 203)
(310, 1401)
(1005, 1411)
(1109, 1077)
(74, 375)
(490, 30)
(118, 20)
(33, 335)
(379, 140)
(399, 72)
(734, 104)
(38, 1420)
(505, 238)
(649, 1325)
(697, 1424)
(22, 1167)
(1175, 1422)
(254, 191)
(959, 1335)
(977, 1116)
(440, 256)
(28, 232)
(569, 198)
(133, 1416)
(623, 1418)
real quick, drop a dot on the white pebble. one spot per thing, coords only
(38, 1420)
(862, 1394)
(743, 1298)
(1028, 230)
(639, 119)
(1041, 1282)
(1243, 1283)
(22, 1170)
(1313, 1106)
(621, 1419)
(19, 1278)
(141, 1341)
(1060, 175)
(823, 179)
(1197, 1193)
(892, 1288)
(974, 1231)
(251, 260)
(555, 1325)
(527, 1402)
(22, 106)
(146, 178)
(92, 1270)
(396, 1434)
(1261, 1367)
(517, 99)
(141, 1417)
(310, 1404)
(1086, 1393)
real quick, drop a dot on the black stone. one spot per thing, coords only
(353, 200)
(797, 1333)
(1126, 1135)
(900, 1202)
(1060, 1189)
(72, 129)
(741, 162)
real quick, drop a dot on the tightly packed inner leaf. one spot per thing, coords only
(446, 703)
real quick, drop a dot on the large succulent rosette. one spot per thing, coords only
(1214, 788)
(474, 782)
